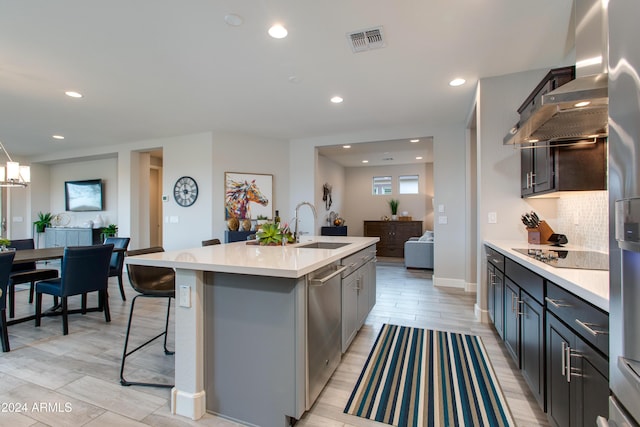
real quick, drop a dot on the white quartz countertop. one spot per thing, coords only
(590, 285)
(290, 261)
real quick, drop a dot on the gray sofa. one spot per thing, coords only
(418, 252)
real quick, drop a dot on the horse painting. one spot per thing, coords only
(239, 196)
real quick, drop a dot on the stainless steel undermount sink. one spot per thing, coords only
(323, 245)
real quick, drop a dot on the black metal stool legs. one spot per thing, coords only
(126, 354)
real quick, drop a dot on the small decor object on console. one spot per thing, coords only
(233, 224)
(393, 204)
(185, 192)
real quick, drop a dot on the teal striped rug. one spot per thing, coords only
(418, 377)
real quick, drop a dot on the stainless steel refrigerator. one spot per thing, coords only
(624, 204)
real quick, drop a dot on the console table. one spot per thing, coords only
(68, 236)
(339, 230)
(392, 235)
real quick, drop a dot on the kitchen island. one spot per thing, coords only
(241, 325)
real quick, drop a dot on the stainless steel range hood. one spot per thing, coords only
(577, 110)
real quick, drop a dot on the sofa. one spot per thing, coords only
(418, 251)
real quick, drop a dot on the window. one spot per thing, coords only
(381, 185)
(408, 184)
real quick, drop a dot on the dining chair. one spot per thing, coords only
(84, 269)
(6, 261)
(117, 260)
(210, 242)
(25, 272)
(149, 282)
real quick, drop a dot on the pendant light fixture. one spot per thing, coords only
(12, 174)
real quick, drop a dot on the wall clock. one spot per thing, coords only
(185, 191)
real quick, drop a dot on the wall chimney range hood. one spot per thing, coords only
(578, 110)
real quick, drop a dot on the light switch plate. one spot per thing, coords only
(442, 219)
(441, 208)
(492, 217)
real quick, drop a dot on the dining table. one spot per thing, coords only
(48, 254)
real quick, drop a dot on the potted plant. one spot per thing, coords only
(4, 243)
(109, 231)
(393, 204)
(44, 221)
(270, 234)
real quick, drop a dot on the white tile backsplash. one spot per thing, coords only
(584, 217)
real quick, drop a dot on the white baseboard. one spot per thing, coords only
(481, 315)
(471, 287)
(449, 283)
(190, 405)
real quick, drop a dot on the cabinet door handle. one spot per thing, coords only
(564, 358)
(520, 304)
(589, 328)
(492, 276)
(532, 175)
(568, 359)
(556, 303)
(513, 305)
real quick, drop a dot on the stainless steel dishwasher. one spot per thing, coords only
(324, 328)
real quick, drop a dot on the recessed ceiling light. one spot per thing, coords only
(346, 146)
(278, 31)
(233, 20)
(582, 104)
(533, 140)
(57, 137)
(414, 140)
(365, 161)
(73, 94)
(337, 99)
(457, 82)
(294, 79)
(419, 158)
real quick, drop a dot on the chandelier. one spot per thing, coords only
(12, 174)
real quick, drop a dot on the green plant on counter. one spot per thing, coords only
(4, 242)
(393, 204)
(269, 234)
(44, 221)
(262, 217)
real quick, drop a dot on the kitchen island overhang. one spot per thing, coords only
(246, 308)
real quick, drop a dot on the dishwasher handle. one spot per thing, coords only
(323, 280)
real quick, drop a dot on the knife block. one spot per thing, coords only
(540, 234)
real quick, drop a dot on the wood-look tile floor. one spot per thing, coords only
(53, 380)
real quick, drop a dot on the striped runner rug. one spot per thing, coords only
(418, 377)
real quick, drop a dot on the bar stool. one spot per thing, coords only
(210, 242)
(149, 282)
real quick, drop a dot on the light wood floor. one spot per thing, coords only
(74, 380)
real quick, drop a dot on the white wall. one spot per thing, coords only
(334, 174)
(361, 205)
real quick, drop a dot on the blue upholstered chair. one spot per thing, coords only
(6, 261)
(84, 269)
(117, 260)
(26, 272)
(149, 282)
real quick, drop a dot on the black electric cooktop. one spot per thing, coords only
(561, 258)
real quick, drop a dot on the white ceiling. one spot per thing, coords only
(156, 68)
(381, 153)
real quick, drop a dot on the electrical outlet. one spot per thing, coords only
(492, 217)
(442, 219)
(185, 296)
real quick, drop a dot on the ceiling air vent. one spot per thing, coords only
(372, 38)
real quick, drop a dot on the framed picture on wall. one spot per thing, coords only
(248, 195)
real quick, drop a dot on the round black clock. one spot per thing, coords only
(185, 191)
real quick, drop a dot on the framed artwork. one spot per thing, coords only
(247, 195)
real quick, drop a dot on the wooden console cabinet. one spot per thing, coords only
(392, 235)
